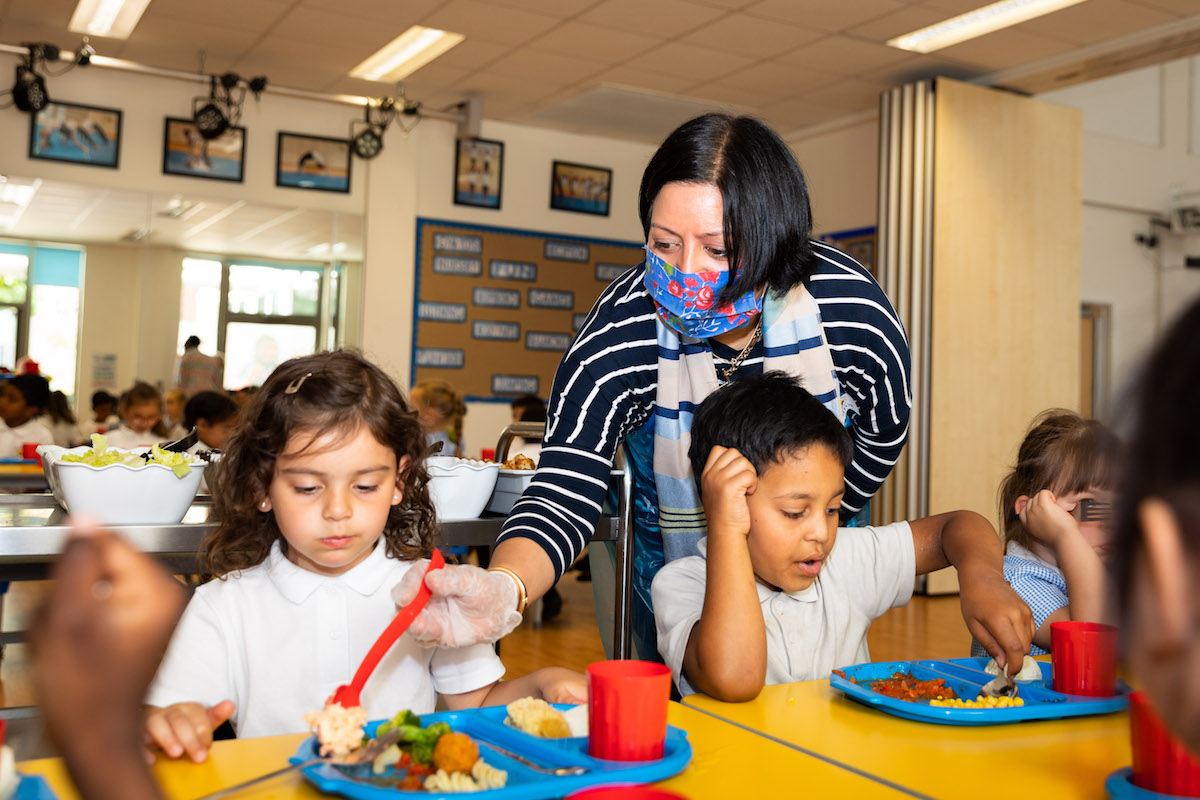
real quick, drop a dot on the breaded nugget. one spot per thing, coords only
(455, 752)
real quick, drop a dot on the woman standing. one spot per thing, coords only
(731, 286)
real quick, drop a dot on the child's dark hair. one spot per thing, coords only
(1161, 460)
(531, 408)
(326, 392)
(58, 409)
(34, 388)
(766, 418)
(1062, 452)
(101, 398)
(213, 407)
(142, 392)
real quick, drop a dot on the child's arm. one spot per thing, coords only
(996, 615)
(552, 684)
(726, 654)
(1081, 567)
(185, 727)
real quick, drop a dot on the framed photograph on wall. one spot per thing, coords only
(859, 244)
(186, 152)
(312, 162)
(478, 172)
(578, 187)
(77, 134)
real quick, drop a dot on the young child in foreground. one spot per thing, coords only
(768, 600)
(323, 505)
(1056, 541)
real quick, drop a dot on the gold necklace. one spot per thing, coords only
(733, 365)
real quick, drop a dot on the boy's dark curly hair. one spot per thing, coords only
(317, 394)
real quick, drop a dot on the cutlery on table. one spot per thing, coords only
(560, 771)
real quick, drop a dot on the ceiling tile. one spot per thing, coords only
(492, 86)
(548, 67)
(1003, 49)
(848, 95)
(320, 56)
(729, 96)
(489, 23)
(823, 14)
(668, 18)
(791, 115)
(594, 42)
(771, 77)
(742, 33)
(898, 23)
(1180, 7)
(472, 54)
(361, 37)
(564, 9)
(1096, 19)
(399, 15)
(843, 55)
(218, 43)
(50, 12)
(918, 67)
(235, 14)
(689, 61)
(643, 79)
(731, 5)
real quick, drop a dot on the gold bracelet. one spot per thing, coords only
(522, 594)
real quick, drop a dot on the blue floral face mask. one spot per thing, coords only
(687, 301)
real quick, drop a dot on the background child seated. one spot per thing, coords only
(768, 600)
(324, 505)
(213, 415)
(22, 399)
(104, 416)
(1054, 551)
(141, 419)
(441, 410)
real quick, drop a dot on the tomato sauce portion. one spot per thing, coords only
(903, 686)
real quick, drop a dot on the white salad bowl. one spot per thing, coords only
(510, 485)
(117, 494)
(460, 487)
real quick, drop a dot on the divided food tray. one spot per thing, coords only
(965, 676)
(486, 725)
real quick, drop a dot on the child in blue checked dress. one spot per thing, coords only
(1054, 511)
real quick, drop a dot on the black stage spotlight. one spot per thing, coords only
(210, 119)
(29, 91)
(257, 85)
(368, 143)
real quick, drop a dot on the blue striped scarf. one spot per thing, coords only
(793, 342)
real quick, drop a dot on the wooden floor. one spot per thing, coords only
(928, 627)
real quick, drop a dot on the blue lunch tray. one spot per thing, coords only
(966, 676)
(487, 725)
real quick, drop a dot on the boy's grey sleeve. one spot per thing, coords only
(678, 597)
(885, 565)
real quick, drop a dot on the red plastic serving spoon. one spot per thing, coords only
(347, 695)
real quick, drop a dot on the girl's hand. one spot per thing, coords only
(727, 480)
(1046, 518)
(469, 605)
(185, 727)
(562, 685)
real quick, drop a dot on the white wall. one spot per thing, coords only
(842, 169)
(1141, 142)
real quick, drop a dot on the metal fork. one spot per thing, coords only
(1094, 510)
(536, 767)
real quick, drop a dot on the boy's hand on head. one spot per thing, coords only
(1045, 519)
(185, 727)
(727, 480)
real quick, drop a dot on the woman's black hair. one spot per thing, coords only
(767, 216)
(1161, 459)
(766, 418)
(212, 407)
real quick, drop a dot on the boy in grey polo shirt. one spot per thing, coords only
(766, 600)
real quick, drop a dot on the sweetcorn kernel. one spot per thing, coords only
(980, 702)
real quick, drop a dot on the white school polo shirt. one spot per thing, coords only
(809, 632)
(31, 431)
(277, 640)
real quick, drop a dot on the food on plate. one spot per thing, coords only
(537, 717)
(1030, 670)
(101, 455)
(433, 758)
(455, 752)
(577, 719)
(339, 730)
(519, 462)
(903, 686)
(979, 702)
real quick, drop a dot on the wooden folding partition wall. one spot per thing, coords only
(979, 226)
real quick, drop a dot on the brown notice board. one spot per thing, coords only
(496, 308)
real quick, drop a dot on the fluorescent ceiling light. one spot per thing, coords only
(115, 19)
(976, 23)
(406, 54)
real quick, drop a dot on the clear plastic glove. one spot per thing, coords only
(469, 605)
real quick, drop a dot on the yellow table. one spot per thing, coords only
(1053, 758)
(727, 761)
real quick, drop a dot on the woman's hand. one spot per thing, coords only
(185, 727)
(469, 605)
(1046, 519)
(727, 479)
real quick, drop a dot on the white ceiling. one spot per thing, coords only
(796, 63)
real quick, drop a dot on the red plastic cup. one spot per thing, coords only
(629, 792)
(1161, 763)
(489, 454)
(29, 452)
(1084, 658)
(627, 709)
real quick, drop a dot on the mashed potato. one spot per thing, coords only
(339, 730)
(537, 717)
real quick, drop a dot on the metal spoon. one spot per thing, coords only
(999, 686)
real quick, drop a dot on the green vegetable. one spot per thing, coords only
(101, 456)
(417, 741)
